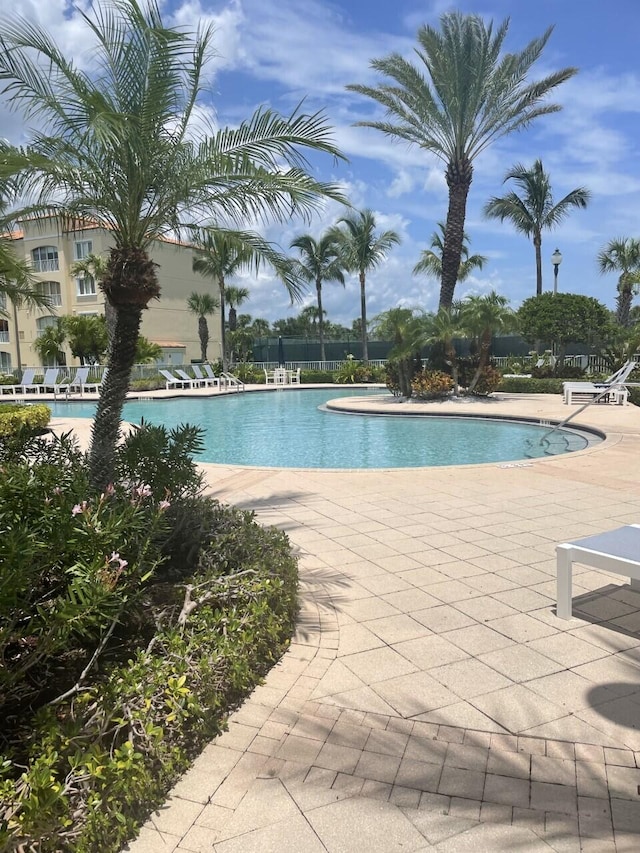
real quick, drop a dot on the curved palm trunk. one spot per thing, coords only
(223, 334)
(110, 317)
(106, 425)
(623, 305)
(203, 334)
(537, 243)
(320, 320)
(485, 351)
(459, 174)
(363, 315)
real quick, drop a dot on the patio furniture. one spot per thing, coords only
(615, 384)
(96, 386)
(182, 374)
(616, 551)
(49, 381)
(77, 383)
(24, 385)
(207, 381)
(175, 381)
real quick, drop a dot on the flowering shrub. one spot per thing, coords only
(114, 670)
(431, 384)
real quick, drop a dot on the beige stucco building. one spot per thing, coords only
(52, 251)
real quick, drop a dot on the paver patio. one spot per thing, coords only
(431, 698)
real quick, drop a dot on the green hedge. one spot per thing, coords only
(15, 417)
(523, 385)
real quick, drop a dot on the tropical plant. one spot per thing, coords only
(562, 319)
(622, 255)
(483, 316)
(236, 296)
(441, 328)
(430, 261)
(87, 335)
(533, 211)
(406, 330)
(203, 305)
(465, 93)
(95, 267)
(320, 261)
(363, 250)
(147, 351)
(117, 146)
(50, 341)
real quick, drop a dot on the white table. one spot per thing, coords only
(616, 551)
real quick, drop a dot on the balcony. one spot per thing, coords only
(50, 265)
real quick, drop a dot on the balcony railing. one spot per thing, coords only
(50, 265)
(4, 337)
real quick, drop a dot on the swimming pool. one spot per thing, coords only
(287, 430)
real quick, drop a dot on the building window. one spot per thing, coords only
(45, 259)
(4, 331)
(5, 362)
(82, 249)
(50, 289)
(43, 323)
(85, 285)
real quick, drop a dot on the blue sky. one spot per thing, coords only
(277, 52)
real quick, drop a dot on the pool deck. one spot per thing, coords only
(431, 699)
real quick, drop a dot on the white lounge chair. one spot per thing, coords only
(207, 381)
(24, 385)
(75, 384)
(614, 384)
(294, 377)
(96, 386)
(48, 384)
(175, 381)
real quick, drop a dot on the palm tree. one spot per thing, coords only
(363, 250)
(236, 296)
(442, 328)
(49, 343)
(534, 211)
(483, 316)
(117, 146)
(430, 261)
(463, 95)
(622, 255)
(203, 305)
(406, 330)
(320, 261)
(95, 267)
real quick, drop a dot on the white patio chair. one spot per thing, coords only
(24, 385)
(96, 386)
(174, 381)
(49, 383)
(615, 383)
(207, 381)
(77, 383)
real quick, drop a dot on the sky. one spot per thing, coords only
(278, 52)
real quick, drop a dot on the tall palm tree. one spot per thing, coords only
(203, 305)
(364, 250)
(463, 94)
(483, 316)
(534, 211)
(430, 261)
(236, 296)
(117, 145)
(622, 255)
(320, 261)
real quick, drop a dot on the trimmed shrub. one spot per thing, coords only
(316, 377)
(356, 371)
(15, 417)
(431, 385)
(525, 385)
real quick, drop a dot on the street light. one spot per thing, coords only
(556, 260)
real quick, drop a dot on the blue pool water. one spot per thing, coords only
(287, 430)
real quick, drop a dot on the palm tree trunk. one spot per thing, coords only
(363, 315)
(203, 334)
(537, 242)
(459, 174)
(223, 335)
(106, 425)
(320, 320)
(623, 306)
(485, 350)
(17, 336)
(110, 317)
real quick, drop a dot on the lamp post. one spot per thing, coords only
(556, 260)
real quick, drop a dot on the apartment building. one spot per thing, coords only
(52, 252)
